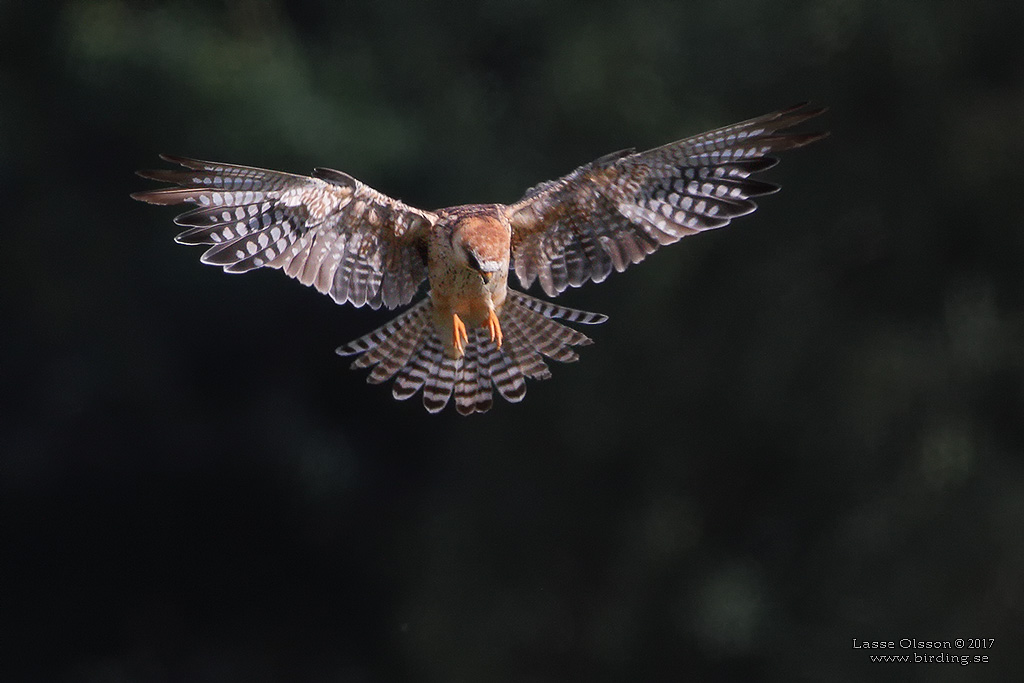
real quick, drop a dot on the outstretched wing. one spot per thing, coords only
(620, 208)
(330, 231)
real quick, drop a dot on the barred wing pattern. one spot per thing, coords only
(329, 231)
(409, 350)
(617, 210)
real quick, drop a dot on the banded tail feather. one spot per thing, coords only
(408, 350)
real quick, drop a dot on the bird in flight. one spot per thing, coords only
(472, 332)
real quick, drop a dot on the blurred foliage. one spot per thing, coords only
(798, 431)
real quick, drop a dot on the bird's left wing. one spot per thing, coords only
(620, 208)
(329, 231)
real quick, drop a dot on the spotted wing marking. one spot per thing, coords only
(329, 231)
(617, 210)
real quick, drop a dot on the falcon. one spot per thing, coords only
(472, 333)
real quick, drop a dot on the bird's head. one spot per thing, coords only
(482, 245)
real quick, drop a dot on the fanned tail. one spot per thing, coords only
(409, 350)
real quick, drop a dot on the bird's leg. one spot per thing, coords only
(494, 327)
(459, 335)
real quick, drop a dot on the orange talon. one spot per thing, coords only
(459, 335)
(494, 327)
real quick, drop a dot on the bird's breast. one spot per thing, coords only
(463, 293)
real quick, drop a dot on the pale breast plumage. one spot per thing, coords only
(472, 334)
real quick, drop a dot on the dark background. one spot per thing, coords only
(795, 432)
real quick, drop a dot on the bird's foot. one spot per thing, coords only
(459, 335)
(494, 327)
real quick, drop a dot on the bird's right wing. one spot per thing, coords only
(329, 231)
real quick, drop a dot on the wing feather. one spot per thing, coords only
(329, 230)
(615, 211)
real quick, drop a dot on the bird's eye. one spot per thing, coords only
(471, 260)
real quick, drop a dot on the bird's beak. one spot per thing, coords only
(486, 275)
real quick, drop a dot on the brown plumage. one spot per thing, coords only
(472, 332)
